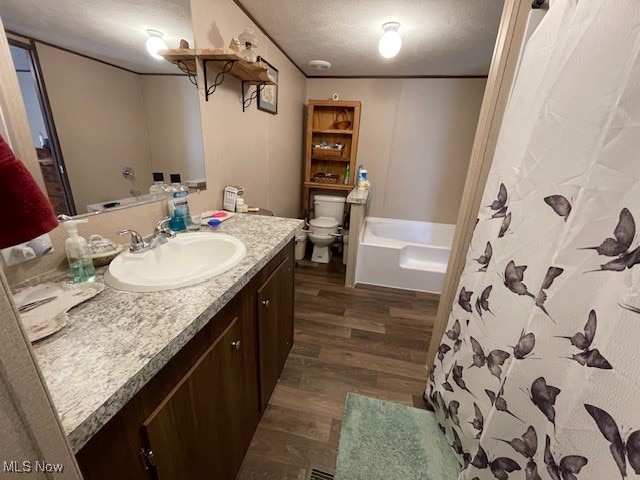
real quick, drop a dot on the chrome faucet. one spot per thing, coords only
(138, 244)
(161, 233)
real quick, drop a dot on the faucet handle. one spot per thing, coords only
(137, 243)
(162, 224)
(162, 227)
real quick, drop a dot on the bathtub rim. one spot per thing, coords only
(395, 243)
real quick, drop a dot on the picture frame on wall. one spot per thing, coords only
(268, 96)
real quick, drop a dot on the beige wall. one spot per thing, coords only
(415, 141)
(172, 112)
(259, 151)
(100, 121)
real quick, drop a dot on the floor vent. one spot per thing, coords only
(317, 474)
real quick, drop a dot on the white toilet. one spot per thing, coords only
(325, 228)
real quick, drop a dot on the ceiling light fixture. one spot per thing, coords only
(155, 42)
(391, 41)
(319, 65)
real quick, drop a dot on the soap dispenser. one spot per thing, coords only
(78, 254)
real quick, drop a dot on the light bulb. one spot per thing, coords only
(391, 41)
(155, 42)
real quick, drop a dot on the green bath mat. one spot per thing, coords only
(382, 440)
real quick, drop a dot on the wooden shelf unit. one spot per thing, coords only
(321, 116)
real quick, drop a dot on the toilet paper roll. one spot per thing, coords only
(22, 252)
(41, 245)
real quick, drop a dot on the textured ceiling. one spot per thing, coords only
(439, 37)
(110, 30)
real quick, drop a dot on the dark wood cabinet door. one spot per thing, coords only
(275, 326)
(203, 427)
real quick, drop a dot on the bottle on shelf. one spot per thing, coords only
(363, 183)
(346, 175)
(178, 204)
(159, 189)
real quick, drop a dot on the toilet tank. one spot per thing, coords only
(329, 206)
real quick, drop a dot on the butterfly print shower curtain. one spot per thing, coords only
(538, 374)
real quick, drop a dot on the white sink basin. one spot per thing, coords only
(185, 260)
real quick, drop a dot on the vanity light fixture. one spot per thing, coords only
(391, 41)
(155, 42)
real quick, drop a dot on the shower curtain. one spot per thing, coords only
(537, 375)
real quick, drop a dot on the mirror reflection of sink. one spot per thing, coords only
(188, 259)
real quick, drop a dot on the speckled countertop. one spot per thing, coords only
(116, 342)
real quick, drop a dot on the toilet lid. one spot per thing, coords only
(324, 222)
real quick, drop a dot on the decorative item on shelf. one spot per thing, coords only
(342, 121)
(248, 39)
(184, 44)
(268, 94)
(325, 178)
(324, 150)
(235, 45)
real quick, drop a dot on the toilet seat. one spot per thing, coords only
(315, 237)
(323, 225)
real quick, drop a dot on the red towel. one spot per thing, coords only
(25, 211)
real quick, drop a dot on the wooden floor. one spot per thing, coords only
(368, 340)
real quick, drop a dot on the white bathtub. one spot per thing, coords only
(403, 254)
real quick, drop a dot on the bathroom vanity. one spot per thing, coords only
(172, 384)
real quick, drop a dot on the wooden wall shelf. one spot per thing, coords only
(253, 73)
(321, 117)
(183, 58)
(228, 61)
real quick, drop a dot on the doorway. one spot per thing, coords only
(43, 132)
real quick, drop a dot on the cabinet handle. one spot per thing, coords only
(236, 344)
(265, 303)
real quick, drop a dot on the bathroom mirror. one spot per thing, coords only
(104, 114)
